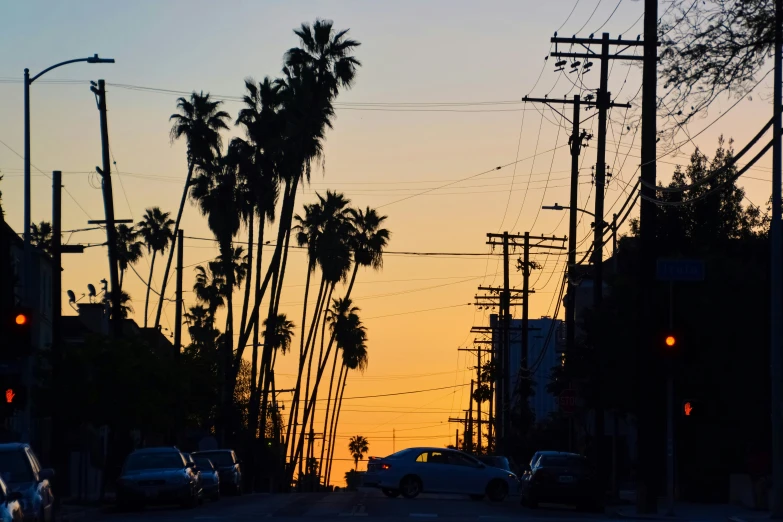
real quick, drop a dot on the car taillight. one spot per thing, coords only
(385, 466)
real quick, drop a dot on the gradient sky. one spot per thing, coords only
(416, 309)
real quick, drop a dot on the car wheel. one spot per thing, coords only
(497, 490)
(477, 497)
(410, 486)
(391, 493)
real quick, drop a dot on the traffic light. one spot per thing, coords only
(17, 330)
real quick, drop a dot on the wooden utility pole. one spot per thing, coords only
(179, 303)
(478, 402)
(504, 381)
(470, 418)
(108, 205)
(603, 103)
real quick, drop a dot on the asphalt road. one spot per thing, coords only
(366, 504)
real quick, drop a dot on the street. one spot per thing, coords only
(365, 503)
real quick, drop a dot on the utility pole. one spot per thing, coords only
(394, 440)
(776, 334)
(108, 205)
(603, 104)
(470, 418)
(525, 299)
(59, 417)
(179, 303)
(505, 239)
(478, 402)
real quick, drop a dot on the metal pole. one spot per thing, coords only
(646, 376)
(670, 415)
(776, 305)
(26, 270)
(179, 303)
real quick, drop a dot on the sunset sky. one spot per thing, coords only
(427, 165)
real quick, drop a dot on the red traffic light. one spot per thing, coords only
(21, 319)
(670, 341)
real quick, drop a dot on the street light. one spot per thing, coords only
(27, 218)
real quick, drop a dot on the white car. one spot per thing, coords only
(438, 470)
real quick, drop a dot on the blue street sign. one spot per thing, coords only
(680, 270)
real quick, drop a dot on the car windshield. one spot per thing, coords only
(562, 461)
(14, 467)
(220, 459)
(141, 461)
(203, 462)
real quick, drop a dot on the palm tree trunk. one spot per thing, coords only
(228, 376)
(173, 241)
(122, 278)
(246, 301)
(353, 279)
(338, 407)
(304, 346)
(149, 286)
(312, 350)
(282, 271)
(326, 413)
(254, 387)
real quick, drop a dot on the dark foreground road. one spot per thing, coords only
(366, 504)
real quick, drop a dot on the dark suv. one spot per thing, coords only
(227, 464)
(157, 476)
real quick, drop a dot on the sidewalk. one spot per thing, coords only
(691, 512)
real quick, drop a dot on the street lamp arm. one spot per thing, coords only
(91, 59)
(562, 207)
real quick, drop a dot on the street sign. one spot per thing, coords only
(567, 401)
(680, 270)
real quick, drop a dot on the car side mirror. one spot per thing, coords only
(46, 474)
(13, 496)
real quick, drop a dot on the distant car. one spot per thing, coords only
(562, 478)
(537, 455)
(22, 473)
(438, 470)
(229, 470)
(10, 504)
(210, 479)
(157, 476)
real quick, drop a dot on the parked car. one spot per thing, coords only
(438, 470)
(562, 478)
(22, 473)
(228, 465)
(10, 504)
(210, 479)
(189, 462)
(157, 476)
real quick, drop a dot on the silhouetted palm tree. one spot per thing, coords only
(367, 241)
(155, 229)
(126, 306)
(210, 288)
(358, 446)
(41, 236)
(129, 249)
(200, 121)
(312, 77)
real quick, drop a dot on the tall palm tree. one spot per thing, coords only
(210, 288)
(368, 241)
(41, 236)
(129, 249)
(200, 121)
(313, 75)
(354, 358)
(358, 446)
(155, 229)
(326, 231)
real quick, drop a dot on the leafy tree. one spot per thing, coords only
(41, 236)
(711, 48)
(155, 229)
(358, 446)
